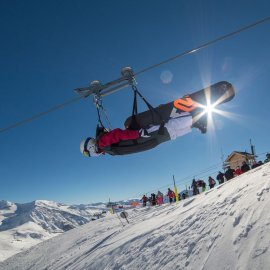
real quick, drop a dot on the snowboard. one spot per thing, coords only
(217, 94)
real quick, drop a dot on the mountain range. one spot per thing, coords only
(24, 225)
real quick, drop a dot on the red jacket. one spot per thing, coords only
(171, 194)
(238, 171)
(117, 135)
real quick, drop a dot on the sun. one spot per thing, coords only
(209, 109)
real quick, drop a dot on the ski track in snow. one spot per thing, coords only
(227, 227)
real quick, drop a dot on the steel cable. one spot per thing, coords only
(209, 43)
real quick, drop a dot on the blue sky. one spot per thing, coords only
(48, 48)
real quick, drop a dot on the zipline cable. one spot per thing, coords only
(209, 43)
(142, 71)
(40, 114)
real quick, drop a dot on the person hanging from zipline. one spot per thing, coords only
(150, 128)
(107, 141)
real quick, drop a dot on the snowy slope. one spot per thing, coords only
(24, 225)
(225, 228)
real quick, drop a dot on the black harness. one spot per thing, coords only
(139, 145)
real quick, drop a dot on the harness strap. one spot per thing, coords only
(99, 106)
(134, 124)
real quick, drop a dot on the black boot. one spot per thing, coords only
(201, 123)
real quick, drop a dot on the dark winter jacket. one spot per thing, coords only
(153, 197)
(229, 174)
(195, 187)
(211, 182)
(220, 177)
(245, 168)
(194, 184)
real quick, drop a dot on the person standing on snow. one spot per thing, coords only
(238, 171)
(220, 177)
(144, 200)
(153, 199)
(211, 182)
(267, 158)
(159, 198)
(171, 195)
(201, 184)
(195, 187)
(245, 167)
(254, 165)
(229, 174)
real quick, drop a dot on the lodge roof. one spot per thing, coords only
(245, 154)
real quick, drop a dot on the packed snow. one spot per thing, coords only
(227, 227)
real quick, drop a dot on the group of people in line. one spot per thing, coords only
(231, 173)
(197, 185)
(222, 177)
(158, 199)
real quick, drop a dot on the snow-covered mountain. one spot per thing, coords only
(227, 227)
(24, 225)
